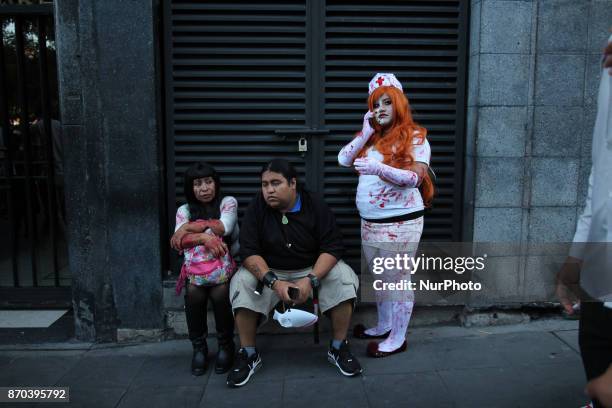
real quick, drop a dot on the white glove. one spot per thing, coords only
(404, 178)
(350, 151)
(367, 166)
(366, 129)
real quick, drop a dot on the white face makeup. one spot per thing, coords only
(383, 110)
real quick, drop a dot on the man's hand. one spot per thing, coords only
(600, 388)
(568, 279)
(305, 288)
(607, 63)
(282, 290)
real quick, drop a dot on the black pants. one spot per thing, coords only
(595, 338)
(196, 302)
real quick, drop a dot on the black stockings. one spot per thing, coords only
(196, 302)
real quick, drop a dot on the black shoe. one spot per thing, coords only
(344, 360)
(244, 368)
(225, 357)
(200, 356)
(373, 351)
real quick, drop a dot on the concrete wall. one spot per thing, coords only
(109, 103)
(533, 76)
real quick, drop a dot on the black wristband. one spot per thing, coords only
(269, 278)
(314, 281)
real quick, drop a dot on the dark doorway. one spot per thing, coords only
(33, 253)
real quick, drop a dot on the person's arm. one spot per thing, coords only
(228, 218)
(568, 284)
(221, 227)
(411, 177)
(600, 388)
(349, 152)
(182, 219)
(584, 223)
(402, 178)
(325, 263)
(259, 268)
(211, 242)
(198, 226)
(568, 277)
(421, 171)
(195, 227)
(607, 58)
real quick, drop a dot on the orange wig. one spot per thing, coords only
(396, 142)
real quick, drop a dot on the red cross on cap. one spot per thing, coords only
(380, 81)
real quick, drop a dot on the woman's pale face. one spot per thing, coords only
(383, 110)
(204, 189)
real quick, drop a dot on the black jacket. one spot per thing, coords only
(310, 231)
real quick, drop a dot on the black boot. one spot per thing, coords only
(200, 356)
(225, 357)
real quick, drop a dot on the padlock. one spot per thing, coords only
(302, 145)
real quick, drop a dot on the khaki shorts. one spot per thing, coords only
(340, 284)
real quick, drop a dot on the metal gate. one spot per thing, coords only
(33, 250)
(246, 79)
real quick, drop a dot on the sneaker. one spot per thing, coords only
(244, 368)
(344, 360)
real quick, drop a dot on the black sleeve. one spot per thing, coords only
(330, 237)
(250, 243)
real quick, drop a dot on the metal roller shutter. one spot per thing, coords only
(236, 75)
(423, 43)
(239, 71)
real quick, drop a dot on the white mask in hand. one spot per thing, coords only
(295, 318)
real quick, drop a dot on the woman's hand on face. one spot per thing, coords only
(367, 129)
(368, 166)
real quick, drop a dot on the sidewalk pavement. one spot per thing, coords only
(535, 364)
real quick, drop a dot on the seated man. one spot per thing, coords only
(289, 238)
